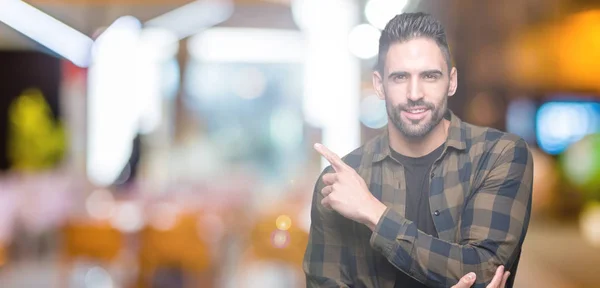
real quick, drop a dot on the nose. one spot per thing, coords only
(414, 92)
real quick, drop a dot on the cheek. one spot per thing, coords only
(435, 88)
(435, 92)
(394, 97)
(396, 91)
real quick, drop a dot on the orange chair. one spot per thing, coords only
(178, 246)
(274, 238)
(271, 243)
(93, 240)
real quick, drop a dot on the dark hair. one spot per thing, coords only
(408, 26)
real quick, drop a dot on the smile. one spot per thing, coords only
(415, 114)
(416, 111)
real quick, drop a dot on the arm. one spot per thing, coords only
(322, 262)
(493, 224)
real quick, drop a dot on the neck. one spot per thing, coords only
(417, 147)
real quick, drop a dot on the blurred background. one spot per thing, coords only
(169, 143)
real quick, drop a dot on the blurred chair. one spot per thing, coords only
(275, 239)
(96, 241)
(269, 242)
(176, 247)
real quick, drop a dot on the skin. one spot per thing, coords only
(415, 83)
(416, 74)
(499, 280)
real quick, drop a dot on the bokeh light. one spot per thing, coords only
(589, 222)
(559, 124)
(100, 204)
(380, 12)
(164, 216)
(372, 112)
(578, 50)
(98, 277)
(581, 164)
(283, 222)
(280, 239)
(363, 41)
(128, 217)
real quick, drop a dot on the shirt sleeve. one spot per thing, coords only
(324, 264)
(493, 224)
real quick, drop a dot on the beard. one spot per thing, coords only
(416, 128)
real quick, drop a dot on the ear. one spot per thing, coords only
(378, 85)
(453, 82)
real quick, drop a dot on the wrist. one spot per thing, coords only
(374, 214)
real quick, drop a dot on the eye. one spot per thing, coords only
(399, 77)
(431, 76)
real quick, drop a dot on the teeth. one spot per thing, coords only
(417, 111)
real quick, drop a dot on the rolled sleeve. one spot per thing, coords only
(391, 228)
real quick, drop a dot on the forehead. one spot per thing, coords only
(414, 56)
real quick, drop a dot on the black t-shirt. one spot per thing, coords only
(416, 172)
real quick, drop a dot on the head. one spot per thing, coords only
(414, 73)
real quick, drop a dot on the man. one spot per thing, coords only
(432, 198)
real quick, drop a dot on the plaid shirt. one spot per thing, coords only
(480, 198)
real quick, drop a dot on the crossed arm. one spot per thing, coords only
(491, 227)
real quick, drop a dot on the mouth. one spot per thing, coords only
(416, 113)
(416, 110)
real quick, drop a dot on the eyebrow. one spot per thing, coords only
(426, 72)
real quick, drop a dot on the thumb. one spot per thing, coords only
(466, 281)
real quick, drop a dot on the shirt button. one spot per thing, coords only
(436, 213)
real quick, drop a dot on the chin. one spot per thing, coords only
(413, 131)
(416, 134)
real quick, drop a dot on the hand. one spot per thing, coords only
(347, 193)
(499, 280)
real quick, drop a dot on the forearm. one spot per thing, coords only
(436, 262)
(491, 228)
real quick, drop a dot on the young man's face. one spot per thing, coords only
(415, 85)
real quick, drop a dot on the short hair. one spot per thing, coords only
(408, 26)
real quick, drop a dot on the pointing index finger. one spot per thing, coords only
(335, 160)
